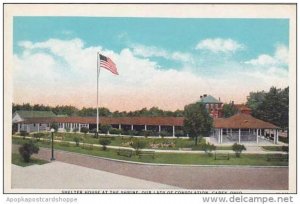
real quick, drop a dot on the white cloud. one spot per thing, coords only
(64, 72)
(280, 58)
(152, 51)
(219, 45)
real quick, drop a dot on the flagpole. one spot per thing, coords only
(98, 73)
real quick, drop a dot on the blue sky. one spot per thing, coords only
(209, 49)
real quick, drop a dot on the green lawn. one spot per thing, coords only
(124, 141)
(18, 160)
(169, 158)
(272, 148)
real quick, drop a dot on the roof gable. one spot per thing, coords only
(243, 121)
(209, 99)
(35, 114)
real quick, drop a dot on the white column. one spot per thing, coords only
(173, 131)
(219, 135)
(257, 136)
(259, 132)
(38, 127)
(79, 127)
(119, 126)
(131, 127)
(63, 125)
(28, 128)
(239, 135)
(274, 136)
(277, 136)
(159, 129)
(19, 127)
(71, 127)
(88, 126)
(145, 127)
(221, 138)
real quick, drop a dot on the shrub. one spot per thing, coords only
(104, 142)
(238, 148)
(133, 132)
(14, 128)
(124, 132)
(27, 149)
(285, 149)
(84, 130)
(179, 133)
(94, 130)
(138, 145)
(76, 139)
(115, 131)
(38, 136)
(164, 133)
(146, 133)
(64, 144)
(24, 133)
(105, 128)
(75, 129)
(208, 148)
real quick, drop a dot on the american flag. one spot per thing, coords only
(108, 64)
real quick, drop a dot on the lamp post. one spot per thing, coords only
(52, 149)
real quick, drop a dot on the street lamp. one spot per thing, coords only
(52, 149)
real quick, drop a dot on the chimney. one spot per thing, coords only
(200, 97)
(204, 95)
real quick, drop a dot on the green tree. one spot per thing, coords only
(229, 110)
(272, 106)
(238, 148)
(197, 121)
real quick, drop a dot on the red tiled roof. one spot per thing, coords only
(237, 121)
(243, 121)
(176, 121)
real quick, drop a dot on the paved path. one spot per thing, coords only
(58, 175)
(189, 177)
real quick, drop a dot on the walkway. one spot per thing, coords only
(58, 175)
(189, 177)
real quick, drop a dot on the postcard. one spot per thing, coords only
(149, 98)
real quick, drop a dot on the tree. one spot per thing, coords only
(76, 140)
(104, 142)
(272, 106)
(238, 148)
(27, 149)
(229, 110)
(197, 121)
(54, 126)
